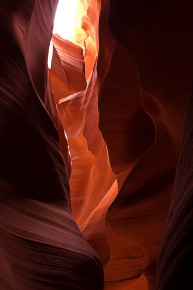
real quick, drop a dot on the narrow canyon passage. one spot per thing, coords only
(96, 176)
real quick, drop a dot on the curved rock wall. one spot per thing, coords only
(41, 246)
(90, 149)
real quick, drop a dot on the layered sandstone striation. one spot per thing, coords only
(41, 245)
(90, 147)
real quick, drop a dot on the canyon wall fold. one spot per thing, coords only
(41, 246)
(142, 104)
(90, 147)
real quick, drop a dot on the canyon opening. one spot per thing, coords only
(96, 145)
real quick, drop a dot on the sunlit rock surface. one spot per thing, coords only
(89, 149)
(93, 185)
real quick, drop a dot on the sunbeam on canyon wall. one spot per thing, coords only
(95, 172)
(67, 23)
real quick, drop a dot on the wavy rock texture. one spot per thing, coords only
(142, 106)
(121, 91)
(92, 182)
(176, 253)
(143, 92)
(41, 245)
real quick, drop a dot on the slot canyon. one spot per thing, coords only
(96, 145)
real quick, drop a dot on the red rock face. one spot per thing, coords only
(41, 245)
(93, 184)
(158, 44)
(89, 150)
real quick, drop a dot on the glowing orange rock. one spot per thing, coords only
(93, 185)
(121, 81)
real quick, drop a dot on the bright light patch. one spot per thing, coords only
(50, 53)
(65, 18)
(67, 24)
